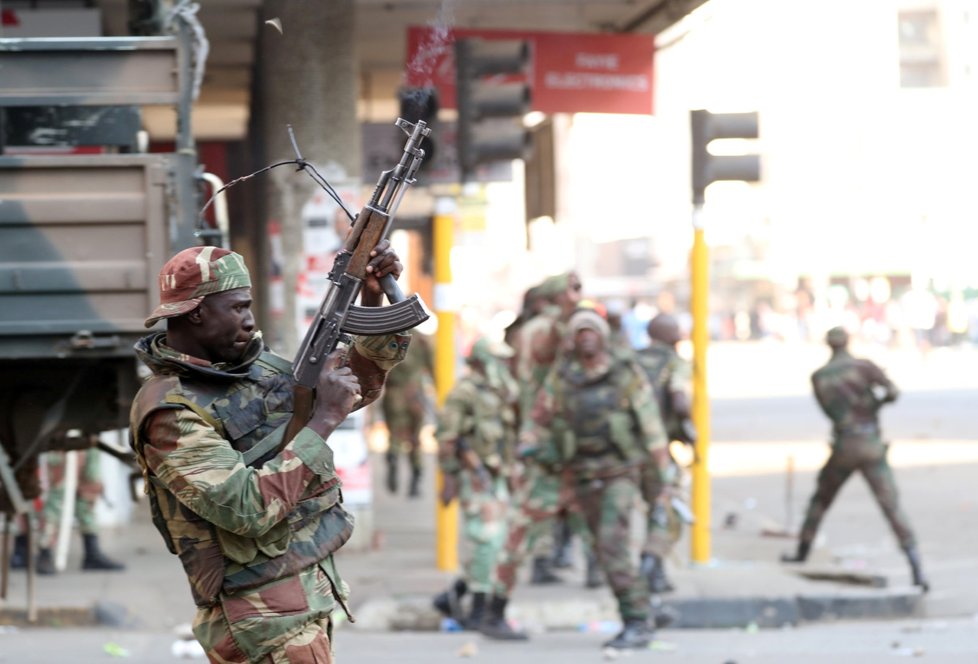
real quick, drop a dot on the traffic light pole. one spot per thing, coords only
(446, 516)
(706, 169)
(700, 268)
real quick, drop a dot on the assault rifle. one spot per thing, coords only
(338, 317)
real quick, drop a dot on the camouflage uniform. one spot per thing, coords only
(844, 390)
(406, 403)
(541, 342)
(599, 426)
(88, 490)
(479, 417)
(850, 392)
(669, 374)
(256, 543)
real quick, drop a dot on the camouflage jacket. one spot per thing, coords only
(480, 413)
(599, 421)
(850, 392)
(540, 344)
(245, 534)
(669, 374)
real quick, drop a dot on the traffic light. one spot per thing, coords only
(419, 104)
(490, 103)
(708, 168)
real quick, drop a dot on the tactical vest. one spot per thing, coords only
(659, 361)
(489, 427)
(243, 411)
(595, 417)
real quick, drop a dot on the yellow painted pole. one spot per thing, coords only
(446, 517)
(700, 268)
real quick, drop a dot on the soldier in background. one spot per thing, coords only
(670, 376)
(597, 420)
(476, 451)
(407, 403)
(851, 392)
(540, 343)
(87, 492)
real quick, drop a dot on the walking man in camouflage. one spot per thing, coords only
(256, 542)
(670, 376)
(851, 392)
(476, 450)
(597, 421)
(406, 403)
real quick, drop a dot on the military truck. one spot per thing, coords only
(86, 222)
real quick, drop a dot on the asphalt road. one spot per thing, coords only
(951, 642)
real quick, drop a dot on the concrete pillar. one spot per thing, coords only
(309, 78)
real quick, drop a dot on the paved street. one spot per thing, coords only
(762, 416)
(931, 642)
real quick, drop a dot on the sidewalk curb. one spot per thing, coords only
(415, 613)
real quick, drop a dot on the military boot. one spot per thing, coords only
(494, 623)
(652, 568)
(45, 562)
(391, 472)
(18, 557)
(916, 571)
(543, 572)
(94, 559)
(477, 612)
(414, 490)
(449, 603)
(635, 635)
(562, 545)
(804, 547)
(594, 578)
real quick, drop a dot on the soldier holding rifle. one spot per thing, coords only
(232, 439)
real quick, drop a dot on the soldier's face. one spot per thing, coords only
(226, 325)
(588, 343)
(570, 298)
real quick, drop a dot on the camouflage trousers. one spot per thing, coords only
(405, 413)
(869, 458)
(484, 512)
(537, 500)
(664, 526)
(88, 490)
(286, 621)
(606, 504)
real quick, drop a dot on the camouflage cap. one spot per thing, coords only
(195, 273)
(588, 319)
(486, 350)
(553, 286)
(837, 337)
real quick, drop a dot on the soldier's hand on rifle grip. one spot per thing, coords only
(337, 393)
(383, 261)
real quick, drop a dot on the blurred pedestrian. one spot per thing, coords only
(476, 436)
(540, 343)
(87, 491)
(407, 404)
(662, 478)
(851, 392)
(597, 420)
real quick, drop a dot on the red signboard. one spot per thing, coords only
(568, 73)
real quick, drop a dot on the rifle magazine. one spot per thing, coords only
(375, 321)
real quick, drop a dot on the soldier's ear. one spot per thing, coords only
(194, 317)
